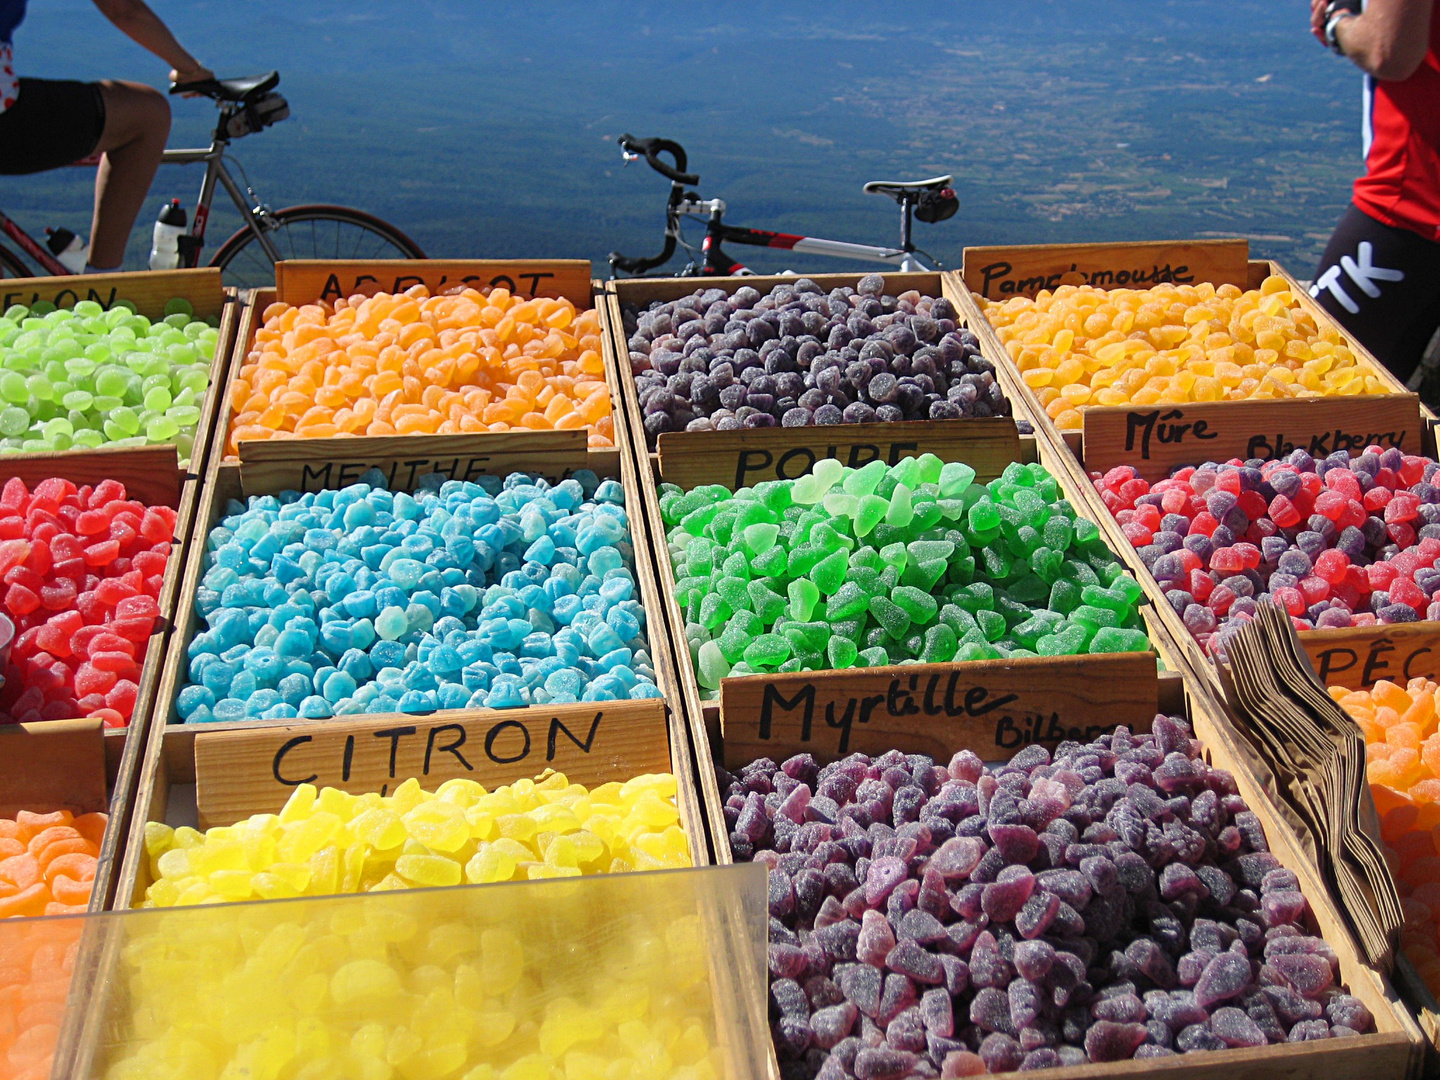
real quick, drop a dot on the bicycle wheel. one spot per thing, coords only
(11, 266)
(311, 232)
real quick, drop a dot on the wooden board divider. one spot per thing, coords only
(742, 458)
(54, 765)
(254, 768)
(996, 707)
(174, 751)
(1000, 272)
(1158, 439)
(1357, 657)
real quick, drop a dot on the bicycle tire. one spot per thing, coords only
(246, 265)
(11, 265)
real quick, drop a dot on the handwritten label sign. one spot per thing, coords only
(1158, 439)
(738, 459)
(269, 465)
(303, 281)
(998, 273)
(253, 771)
(994, 707)
(149, 292)
(1359, 657)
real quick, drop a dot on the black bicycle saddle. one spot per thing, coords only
(245, 89)
(898, 188)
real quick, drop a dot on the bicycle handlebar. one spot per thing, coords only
(651, 148)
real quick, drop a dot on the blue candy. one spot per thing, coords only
(490, 593)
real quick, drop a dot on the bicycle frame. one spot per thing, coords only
(717, 232)
(251, 210)
(38, 252)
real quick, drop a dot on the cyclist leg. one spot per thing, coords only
(137, 123)
(1383, 286)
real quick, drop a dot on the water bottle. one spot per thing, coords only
(69, 250)
(165, 247)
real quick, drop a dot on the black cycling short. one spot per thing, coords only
(53, 122)
(1383, 285)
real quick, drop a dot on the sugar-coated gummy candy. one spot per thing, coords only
(37, 960)
(47, 862)
(880, 565)
(796, 356)
(1346, 540)
(328, 841)
(80, 571)
(1402, 752)
(861, 895)
(1081, 345)
(462, 595)
(470, 360)
(525, 983)
(85, 377)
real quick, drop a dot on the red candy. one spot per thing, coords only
(80, 569)
(1373, 559)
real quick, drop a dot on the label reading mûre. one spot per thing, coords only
(240, 772)
(1160, 439)
(994, 707)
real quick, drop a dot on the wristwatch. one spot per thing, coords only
(1336, 13)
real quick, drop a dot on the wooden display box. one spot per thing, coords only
(1393, 1050)
(246, 767)
(149, 292)
(307, 281)
(642, 292)
(151, 475)
(1000, 273)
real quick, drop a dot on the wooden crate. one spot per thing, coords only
(306, 281)
(151, 475)
(245, 766)
(149, 292)
(1394, 1050)
(999, 273)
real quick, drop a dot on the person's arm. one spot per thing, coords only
(1389, 39)
(134, 19)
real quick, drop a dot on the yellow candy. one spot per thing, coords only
(1078, 346)
(330, 841)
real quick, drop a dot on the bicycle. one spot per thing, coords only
(930, 201)
(247, 106)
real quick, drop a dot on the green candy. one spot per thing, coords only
(882, 565)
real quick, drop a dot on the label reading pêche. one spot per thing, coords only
(993, 707)
(739, 459)
(243, 772)
(998, 273)
(1159, 439)
(1359, 657)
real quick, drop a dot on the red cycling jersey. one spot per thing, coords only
(1401, 185)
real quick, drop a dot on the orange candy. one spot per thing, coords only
(1402, 755)
(36, 962)
(47, 862)
(412, 363)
